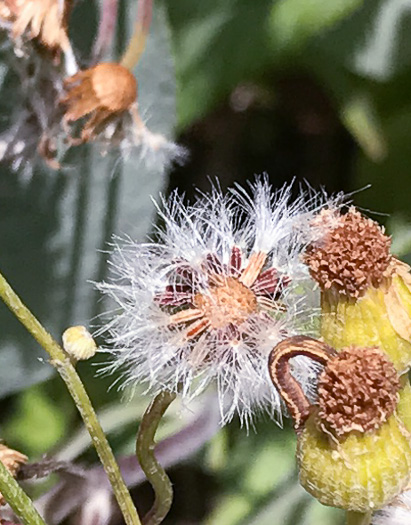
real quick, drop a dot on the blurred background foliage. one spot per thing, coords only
(306, 89)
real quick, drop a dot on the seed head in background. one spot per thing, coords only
(42, 20)
(102, 100)
(62, 107)
(223, 283)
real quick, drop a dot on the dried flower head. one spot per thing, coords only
(12, 460)
(100, 92)
(352, 256)
(43, 20)
(353, 448)
(357, 391)
(106, 96)
(211, 297)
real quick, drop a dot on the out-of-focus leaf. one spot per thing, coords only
(294, 21)
(256, 470)
(116, 418)
(54, 226)
(317, 514)
(391, 179)
(37, 424)
(359, 117)
(400, 230)
(281, 509)
(217, 44)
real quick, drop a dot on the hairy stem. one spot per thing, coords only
(358, 518)
(65, 368)
(155, 473)
(17, 499)
(138, 40)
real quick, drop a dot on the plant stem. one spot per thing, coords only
(138, 40)
(17, 499)
(155, 473)
(107, 26)
(358, 518)
(65, 368)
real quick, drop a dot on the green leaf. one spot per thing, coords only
(37, 423)
(55, 225)
(295, 21)
(217, 44)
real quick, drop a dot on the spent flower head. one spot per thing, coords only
(103, 99)
(211, 297)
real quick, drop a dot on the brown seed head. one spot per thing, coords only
(101, 91)
(12, 460)
(114, 86)
(352, 257)
(357, 391)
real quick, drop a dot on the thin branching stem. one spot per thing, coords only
(17, 499)
(137, 42)
(155, 473)
(65, 368)
(358, 518)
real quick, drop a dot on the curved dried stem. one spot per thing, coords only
(154, 472)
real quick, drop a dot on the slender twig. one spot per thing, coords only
(17, 499)
(65, 368)
(106, 29)
(154, 472)
(358, 518)
(138, 40)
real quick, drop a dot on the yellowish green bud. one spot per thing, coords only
(78, 343)
(363, 472)
(353, 448)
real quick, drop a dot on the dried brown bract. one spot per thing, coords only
(353, 256)
(38, 19)
(357, 391)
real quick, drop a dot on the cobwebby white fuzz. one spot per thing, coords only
(207, 302)
(397, 513)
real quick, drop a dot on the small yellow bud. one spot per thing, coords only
(78, 343)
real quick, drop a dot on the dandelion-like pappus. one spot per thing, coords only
(211, 297)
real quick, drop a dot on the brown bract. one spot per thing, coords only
(38, 19)
(353, 256)
(12, 460)
(357, 391)
(100, 92)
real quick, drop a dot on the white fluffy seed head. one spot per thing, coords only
(207, 302)
(397, 513)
